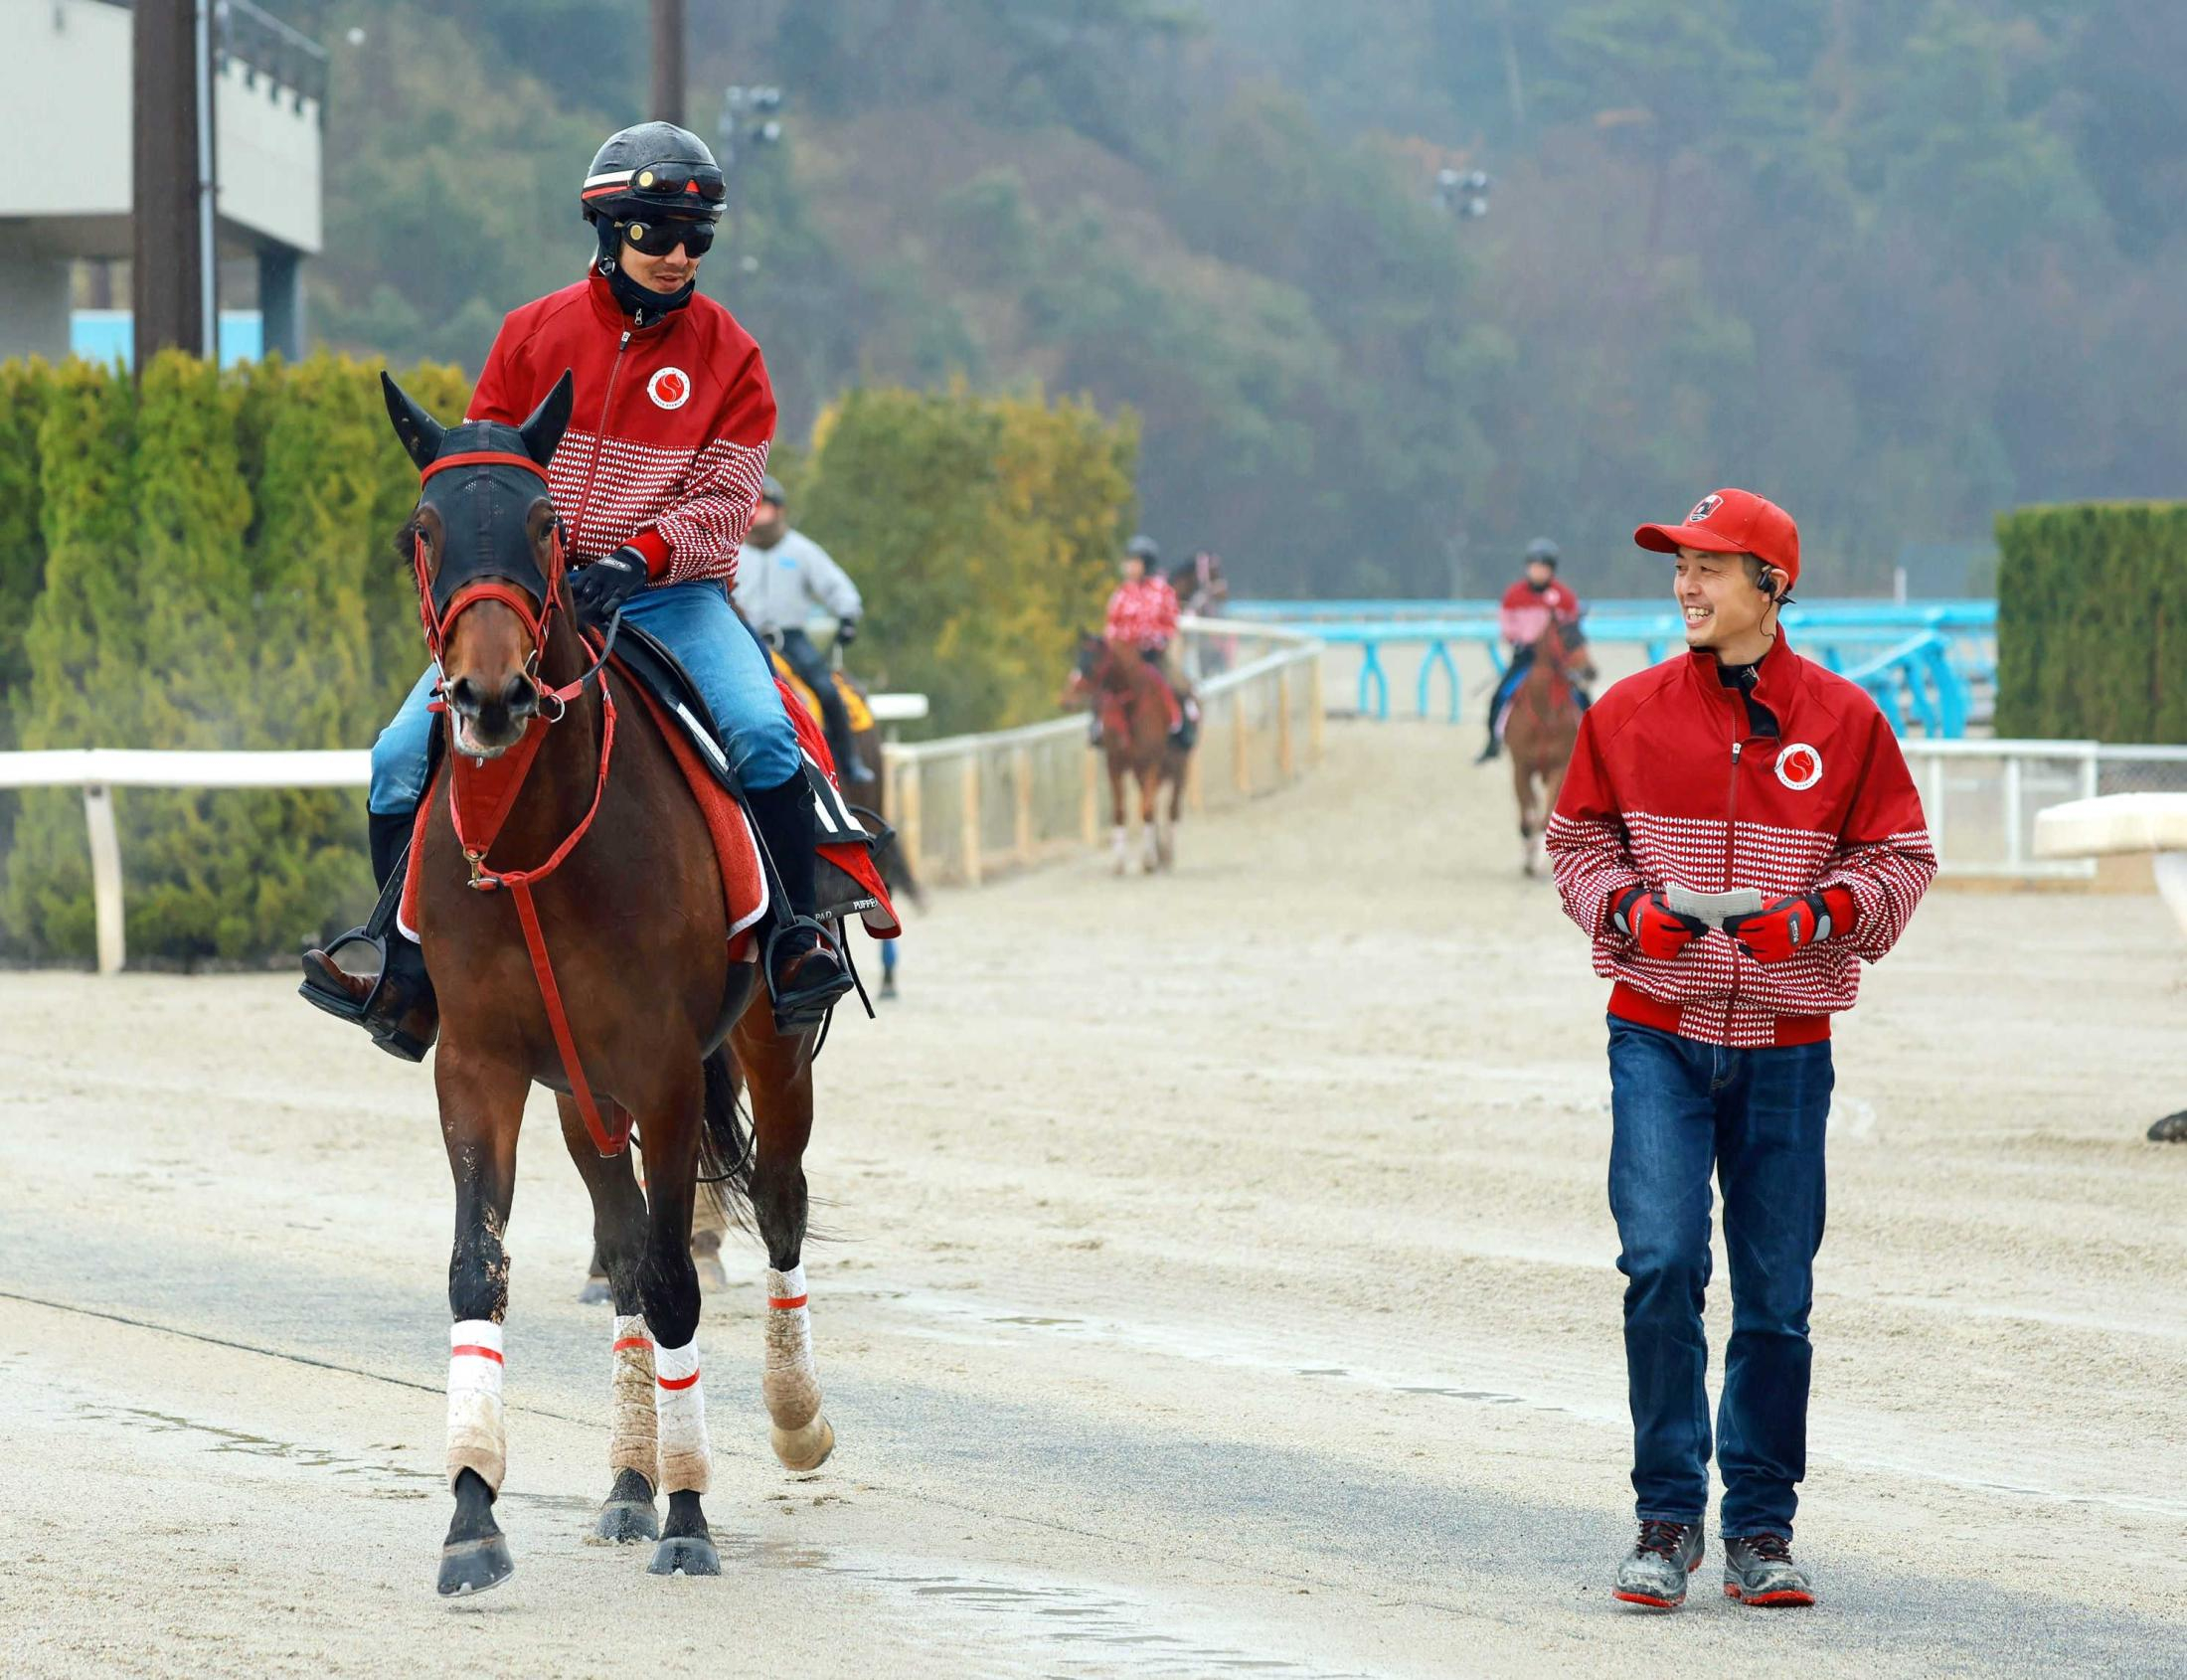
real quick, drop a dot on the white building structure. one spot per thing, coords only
(66, 170)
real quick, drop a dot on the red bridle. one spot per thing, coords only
(493, 789)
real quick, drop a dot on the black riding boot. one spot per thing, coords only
(394, 1003)
(804, 972)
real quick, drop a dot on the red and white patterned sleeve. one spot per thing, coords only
(1586, 841)
(703, 527)
(1165, 609)
(1883, 858)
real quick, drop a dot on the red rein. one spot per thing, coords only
(493, 789)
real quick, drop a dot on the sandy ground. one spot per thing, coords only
(1221, 1283)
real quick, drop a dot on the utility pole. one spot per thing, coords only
(668, 62)
(173, 278)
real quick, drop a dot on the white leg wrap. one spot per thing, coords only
(634, 1439)
(475, 1436)
(791, 1382)
(687, 1465)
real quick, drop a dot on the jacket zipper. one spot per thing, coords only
(599, 438)
(1730, 841)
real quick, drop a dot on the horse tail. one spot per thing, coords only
(725, 1141)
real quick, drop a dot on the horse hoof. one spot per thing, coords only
(685, 1553)
(2170, 1130)
(806, 1448)
(473, 1566)
(623, 1516)
(596, 1292)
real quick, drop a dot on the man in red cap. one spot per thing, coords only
(1736, 829)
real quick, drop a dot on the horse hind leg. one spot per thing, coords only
(481, 1109)
(618, 1243)
(780, 1075)
(1150, 825)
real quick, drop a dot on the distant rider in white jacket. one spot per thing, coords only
(781, 576)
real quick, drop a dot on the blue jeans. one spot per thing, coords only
(1680, 1108)
(696, 623)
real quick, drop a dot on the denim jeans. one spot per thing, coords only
(696, 623)
(1757, 1118)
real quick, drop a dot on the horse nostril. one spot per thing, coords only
(520, 697)
(463, 695)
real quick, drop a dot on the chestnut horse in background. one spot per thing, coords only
(602, 886)
(1131, 698)
(1538, 733)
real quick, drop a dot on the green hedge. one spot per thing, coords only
(209, 567)
(2091, 622)
(199, 559)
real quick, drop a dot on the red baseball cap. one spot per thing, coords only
(1732, 521)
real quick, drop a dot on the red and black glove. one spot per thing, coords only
(1774, 933)
(1659, 931)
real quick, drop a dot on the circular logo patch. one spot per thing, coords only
(1800, 766)
(670, 388)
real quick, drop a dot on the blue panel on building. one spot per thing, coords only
(110, 335)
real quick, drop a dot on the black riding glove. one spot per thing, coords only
(846, 632)
(607, 584)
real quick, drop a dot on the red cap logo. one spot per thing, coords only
(1702, 508)
(670, 388)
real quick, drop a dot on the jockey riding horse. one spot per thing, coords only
(1529, 606)
(660, 471)
(1143, 614)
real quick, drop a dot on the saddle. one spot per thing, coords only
(850, 881)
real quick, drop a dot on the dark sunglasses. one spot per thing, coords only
(658, 239)
(679, 180)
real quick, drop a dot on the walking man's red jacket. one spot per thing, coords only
(1669, 783)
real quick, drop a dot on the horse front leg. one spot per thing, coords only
(779, 1074)
(1150, 826)
(668, 1287)
(481, 1109)
(1119, 844)
(619, 1246)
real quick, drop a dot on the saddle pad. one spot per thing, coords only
(743, 882)
(843, 841)
(854, 703)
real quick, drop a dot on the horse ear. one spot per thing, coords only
(549, 419)
(419, 431)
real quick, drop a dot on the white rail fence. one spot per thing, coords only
(1981, 796)
(99, 771)
(968, 806)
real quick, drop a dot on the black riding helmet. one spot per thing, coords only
(642, 178)
(1142, 546)
(1542, 549)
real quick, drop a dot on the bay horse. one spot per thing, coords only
(1540, 729)
(630, 924)
(1131, 698)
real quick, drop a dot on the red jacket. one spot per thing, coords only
(1526, 611)
(1143, 614)
(1668, 783)
(668, 435)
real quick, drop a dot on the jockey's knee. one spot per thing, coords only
(763, 750)
(399, 761)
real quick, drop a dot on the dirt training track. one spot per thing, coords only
(1220, 1284)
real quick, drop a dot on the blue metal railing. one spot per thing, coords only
(1919, 659)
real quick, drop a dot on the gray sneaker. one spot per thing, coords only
(1655, 1569)
(1758, 1569)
